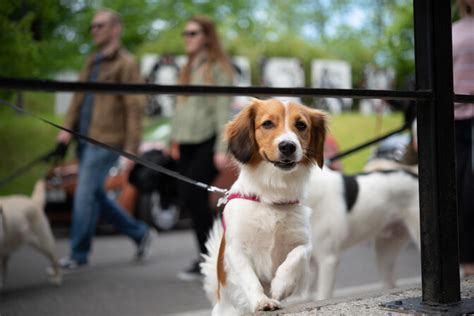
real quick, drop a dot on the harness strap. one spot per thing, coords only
(236, 195)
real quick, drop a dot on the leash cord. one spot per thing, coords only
(130, 156)
(370, 142)
(24, 169)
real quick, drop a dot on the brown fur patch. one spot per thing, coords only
(221, 274)
(318, 136)
(240, 134)
(270, 111)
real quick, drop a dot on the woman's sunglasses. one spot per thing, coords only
(190, 33)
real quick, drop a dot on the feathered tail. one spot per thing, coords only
(209, 265)
(39, 194)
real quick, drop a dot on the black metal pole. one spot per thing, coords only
(441, 292)
(439, 225)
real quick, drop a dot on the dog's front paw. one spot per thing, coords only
(54, 276)
(267, 304)
(281, 289)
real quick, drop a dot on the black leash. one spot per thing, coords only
(55, 156)
(132, 157)
(370, 142)
(43, 158)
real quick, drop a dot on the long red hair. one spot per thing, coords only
(215, 53)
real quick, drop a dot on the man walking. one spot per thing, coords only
(114, 119)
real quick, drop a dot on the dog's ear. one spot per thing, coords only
(240, 133)
(318, 135)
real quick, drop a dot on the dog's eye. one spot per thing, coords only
(301, 126)
(267, 124)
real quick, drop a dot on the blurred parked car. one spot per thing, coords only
(61, 184)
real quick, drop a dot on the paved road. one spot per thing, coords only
(113, 284)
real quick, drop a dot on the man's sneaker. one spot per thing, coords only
(69, 264)
(144, 247)
(193, 273)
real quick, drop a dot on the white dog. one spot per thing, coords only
(22, 220)
(380, 206)
(261, 255)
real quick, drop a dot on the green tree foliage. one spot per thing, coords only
(49, 35)
(18, 53)
(394, 40)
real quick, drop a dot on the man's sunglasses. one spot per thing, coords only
(97, 26)
(190, 33)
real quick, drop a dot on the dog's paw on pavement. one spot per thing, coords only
(268, 304)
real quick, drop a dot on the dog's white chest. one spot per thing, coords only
(266, 233)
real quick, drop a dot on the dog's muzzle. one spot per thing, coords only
(287, 148)
(287, 159)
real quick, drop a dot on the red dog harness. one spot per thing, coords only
(254, 198)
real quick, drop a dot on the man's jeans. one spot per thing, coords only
(91, 201)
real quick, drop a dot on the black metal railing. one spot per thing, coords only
(56, 86)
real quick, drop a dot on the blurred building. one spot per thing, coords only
(332, 74)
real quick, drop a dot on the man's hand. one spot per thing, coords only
(128, 163)
(64, 137)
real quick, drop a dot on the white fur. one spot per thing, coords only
(24, 221)
(386, 211)
(208, 267)
(289, 135)
(268, 246)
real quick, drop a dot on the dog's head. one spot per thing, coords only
(281, 133)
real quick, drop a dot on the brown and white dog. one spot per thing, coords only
(22, 220)
(261, 255)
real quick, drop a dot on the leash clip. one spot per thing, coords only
(223, 200)
(224, 192)
(214, 189)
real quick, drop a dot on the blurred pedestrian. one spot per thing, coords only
(115, 119)
(198, 126)
(463, 71)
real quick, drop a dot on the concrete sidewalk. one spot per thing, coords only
(368, 304)
(114, 284)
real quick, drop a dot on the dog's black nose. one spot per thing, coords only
(287, 148)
